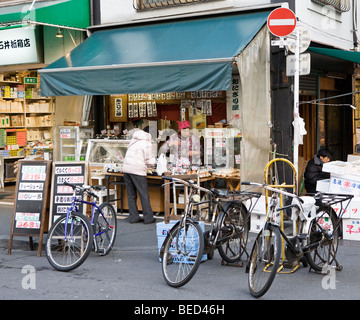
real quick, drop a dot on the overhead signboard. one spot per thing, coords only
(281, 22)
(19, 46)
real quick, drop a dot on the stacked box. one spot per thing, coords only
(21, 137)
(162, 229)
(258, 214)
(2, 138)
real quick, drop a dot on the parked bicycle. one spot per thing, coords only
(317, 237)
(72, 235)
(186, 243)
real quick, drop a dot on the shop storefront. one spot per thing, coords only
(31, 37)
(212, 71)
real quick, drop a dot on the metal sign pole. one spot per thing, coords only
(296, 101)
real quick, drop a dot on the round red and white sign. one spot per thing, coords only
(281, 22)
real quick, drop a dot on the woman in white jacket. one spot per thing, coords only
(138, 157)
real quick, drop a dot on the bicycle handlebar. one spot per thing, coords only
(85, 189)
(265, 186)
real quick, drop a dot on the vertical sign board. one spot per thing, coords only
(29, 214)
(61, 195)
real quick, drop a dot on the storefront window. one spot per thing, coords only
(340, 5)
(151, 4)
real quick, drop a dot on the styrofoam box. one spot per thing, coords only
(259, 208)
(162, 230)
(257, 221)
(344, 185)
(323, 185)
(351, 229)
(336, 167)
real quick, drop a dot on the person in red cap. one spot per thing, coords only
(183, 145)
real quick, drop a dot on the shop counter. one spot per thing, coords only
(172, 204)
(156, 192)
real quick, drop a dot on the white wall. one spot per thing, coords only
(326, 25)
(115, 11)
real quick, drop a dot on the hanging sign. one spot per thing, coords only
(281, 22)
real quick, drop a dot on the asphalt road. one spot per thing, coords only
(132, 273)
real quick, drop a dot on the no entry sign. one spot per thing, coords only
(281, 22)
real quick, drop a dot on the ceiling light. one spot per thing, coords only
(59, 34)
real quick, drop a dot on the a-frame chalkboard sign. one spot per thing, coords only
(31, 201)
(61, 195)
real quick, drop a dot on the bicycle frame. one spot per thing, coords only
(73, 207)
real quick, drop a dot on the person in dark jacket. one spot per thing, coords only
(313, 171)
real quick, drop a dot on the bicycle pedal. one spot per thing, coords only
(101, 251)
(302, 236)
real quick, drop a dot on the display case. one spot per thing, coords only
(222, 148)
(69, 143)
(73, 142)
(103, 154)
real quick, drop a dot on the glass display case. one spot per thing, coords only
(103, 154)
(222, 148)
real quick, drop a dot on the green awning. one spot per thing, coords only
(352, 56)
(175, 56)
(70, 13)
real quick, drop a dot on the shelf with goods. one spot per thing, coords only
(25, 116)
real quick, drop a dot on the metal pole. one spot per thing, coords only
(296, 100)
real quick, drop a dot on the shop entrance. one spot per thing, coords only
(328, 124)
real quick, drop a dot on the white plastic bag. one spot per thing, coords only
(161, 165)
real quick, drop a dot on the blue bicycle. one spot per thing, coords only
(71, 236)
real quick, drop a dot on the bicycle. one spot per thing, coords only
(185, 244)
(72, 235)
(316, 239)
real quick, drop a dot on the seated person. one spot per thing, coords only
(313, 171)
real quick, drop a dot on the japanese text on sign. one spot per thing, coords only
(74, 179)
(30, 196)
(15, 44)
(68, 170)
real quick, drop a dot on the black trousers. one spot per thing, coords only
(138, 184)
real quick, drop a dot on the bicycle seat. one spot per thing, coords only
(219, 192)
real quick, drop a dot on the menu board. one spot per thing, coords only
(61, 195)
(32, 185)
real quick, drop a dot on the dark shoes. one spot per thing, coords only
(151, 221)
(142, 220)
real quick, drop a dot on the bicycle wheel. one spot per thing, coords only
(69, 242)
(181, 253)
(105, 228)
(323, 253)
(264, 260)
(234, 231)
